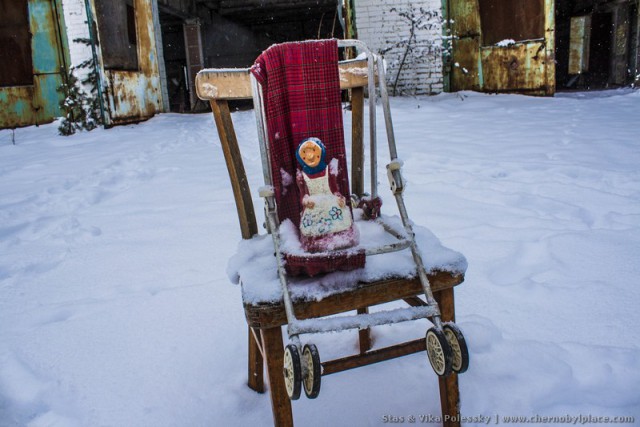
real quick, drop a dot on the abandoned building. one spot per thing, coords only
(136, 58)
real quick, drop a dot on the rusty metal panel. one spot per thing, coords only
(465, 71)
(579, 40)
(516, 68)
(550, 46)
(116, 27)
(36, 100)
(620, 55)
(44, 42)
(17, 109)
(465, 29)
(136, 95)
(526, 67)
(465, 15)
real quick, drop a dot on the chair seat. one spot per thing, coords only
(385, 277)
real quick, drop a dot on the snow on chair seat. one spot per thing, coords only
(254, 268)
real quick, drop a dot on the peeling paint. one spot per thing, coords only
(136, 95)
(38, 102)
(525, 66)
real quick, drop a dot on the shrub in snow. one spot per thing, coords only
(81, 109)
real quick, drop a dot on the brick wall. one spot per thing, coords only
(381, 24)
(75, 18)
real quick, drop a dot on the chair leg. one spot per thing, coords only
(364, 335)
(256, 369)
(274, 354)
(449, 390)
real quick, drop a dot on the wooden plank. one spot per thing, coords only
(364, 335)
(333, 366)
(223, 84)
(365, 295)
(255, 363)
(274, 355)
(449, 390)
(233, 84)
(237, 175)
(357, 141)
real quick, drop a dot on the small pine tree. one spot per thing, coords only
(81, 109)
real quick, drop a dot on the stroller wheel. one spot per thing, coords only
(312, 375)
(439, 352)
(292, 372)
(458, 346)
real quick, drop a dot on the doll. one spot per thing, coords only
(325, 222)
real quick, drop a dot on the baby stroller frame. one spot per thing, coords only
(445, 343)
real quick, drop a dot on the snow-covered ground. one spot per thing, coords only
(116, 310)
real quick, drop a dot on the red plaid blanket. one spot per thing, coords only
(301, 87)
(301, 91)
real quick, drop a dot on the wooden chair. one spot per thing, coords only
(265, 319)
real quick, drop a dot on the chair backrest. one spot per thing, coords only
(219, 86)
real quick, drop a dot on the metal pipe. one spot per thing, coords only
(94, 54)
(387, 111)
(258, 108)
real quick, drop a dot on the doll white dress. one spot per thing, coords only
(326, 216)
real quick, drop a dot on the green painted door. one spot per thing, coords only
(36, 99)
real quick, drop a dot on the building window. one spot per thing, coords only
(511, 20)
(15, 44)
(118, 38)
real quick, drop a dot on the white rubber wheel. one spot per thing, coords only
(292, 372)
(439, 352)
(458, 346)
(313, 371)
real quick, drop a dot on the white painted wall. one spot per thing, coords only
(75, 18)
(384, 29)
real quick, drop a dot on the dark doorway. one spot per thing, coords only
(596, 44)
(600, 50)
(237, 31)
(15, 44)
(175, 62)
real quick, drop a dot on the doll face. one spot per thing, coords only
(310, 153)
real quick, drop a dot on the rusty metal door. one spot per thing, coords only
(132, 94)
(503, 45)
(35, 98)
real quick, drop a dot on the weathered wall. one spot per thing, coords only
(31, 95)
(385, 25)
(129, 95)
